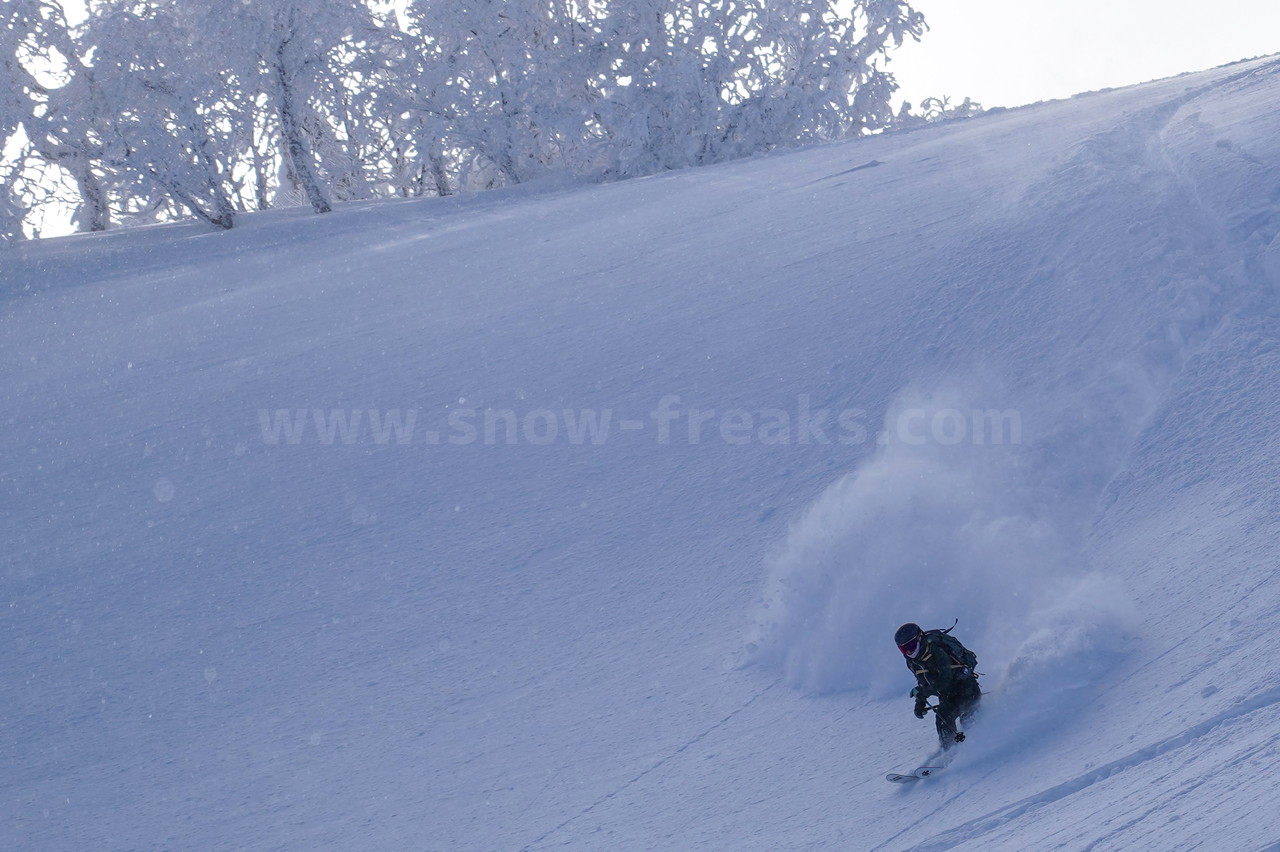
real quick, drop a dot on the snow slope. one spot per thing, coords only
(1052, 335)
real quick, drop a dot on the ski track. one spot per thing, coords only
(976, 828)
(685, 746)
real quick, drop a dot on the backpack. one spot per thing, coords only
(959, 654)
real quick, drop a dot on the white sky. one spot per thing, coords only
(1013, 52)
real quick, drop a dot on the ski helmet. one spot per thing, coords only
(908, 639)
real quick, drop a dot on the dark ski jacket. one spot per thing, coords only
(939, 673)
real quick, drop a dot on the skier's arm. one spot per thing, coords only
(920, 694)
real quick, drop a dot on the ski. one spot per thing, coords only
(919, 774)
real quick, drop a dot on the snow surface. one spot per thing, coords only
(221, 636)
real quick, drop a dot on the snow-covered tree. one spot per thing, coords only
(828, 82)
(511, 77)
(621, 87)
(312, 65)
(166, 123)
(173, 108)
(676, 68)
(15, 108)
(46, 93)
(697, 82)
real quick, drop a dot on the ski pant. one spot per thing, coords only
(958, 705)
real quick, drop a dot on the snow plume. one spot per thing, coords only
(1067, 646)
(930, 531)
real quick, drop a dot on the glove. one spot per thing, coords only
(921, 707)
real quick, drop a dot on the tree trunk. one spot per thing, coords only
(295, 145)
(439, 174)
(96, 215)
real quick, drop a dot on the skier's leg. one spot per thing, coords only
(945, 720)
(968, 705)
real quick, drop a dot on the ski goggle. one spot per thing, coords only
(910, 647)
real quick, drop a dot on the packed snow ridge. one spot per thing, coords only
(583, 517)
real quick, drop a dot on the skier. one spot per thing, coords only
(943, 667)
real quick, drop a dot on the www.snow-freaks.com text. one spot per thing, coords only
(669, 422)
